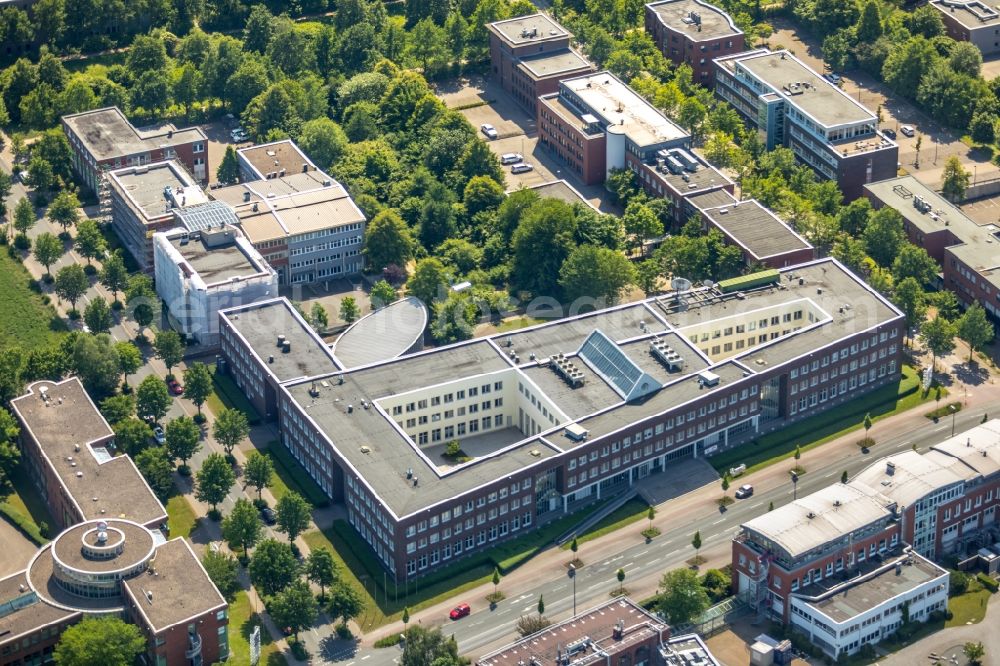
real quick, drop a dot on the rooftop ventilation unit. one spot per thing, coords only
(566, 369)
(666, 355)
(707, 378)
(576, 432)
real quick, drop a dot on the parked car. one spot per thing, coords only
(889, 133)
(159, 436)
(459, 611)
(907, 130)
(489, 131)
(523, 167)
(511, 158)
(832, 77)
(239, 135)
(268, 515)
(175, 387)
(744, 491)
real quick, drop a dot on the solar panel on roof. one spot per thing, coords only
(206, 216)
(608, 360)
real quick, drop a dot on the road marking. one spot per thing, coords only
(721, 520)
(642, 553)
(365, 657)
(561, 587)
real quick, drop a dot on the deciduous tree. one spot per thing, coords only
(183, 436)
(214, 479)
(682, 598)
(293, 514)
(99, 641)
(152, 399)
(223, 570)
(242, 527)
(257, 472)
(71, 283)
(114, 275)
(97, 316)
(169, 348)
(939, 336)
(230, 428)
(229, 169)
(132, 435)
(974, 328)
(89, 240)
(321, 569)
(348, 309)
(273, 566)
(954, 179)
(294, 607)
(157, 469)
(48, 248)
(346, 603)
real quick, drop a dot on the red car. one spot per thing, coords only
(459, 611)
(175, 387)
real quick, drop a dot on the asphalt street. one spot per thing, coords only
(643, 563)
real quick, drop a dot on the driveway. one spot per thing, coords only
(17, 549)
(948, 642)
(486, 102)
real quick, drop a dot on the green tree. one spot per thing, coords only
(542, 242)
(10, 452)
(273, 567)
(132, 435)
(294, 607)
(230, 428)
(294, 514)
(869, 27)
(912, 300)
(99, 641)
(682, 598)
(114, 275)
(620, 575)
(429, 281)
(71, 283)
(574, 546)
(258, 30)
(198, 384)
(228, 172)
(48, 249)
(906, 65)
(966, 58)
(974, 328)
(914, 262)
(129, 359)
(89, 240)
(324, 141)
(883, 236)
(429, 646)
(429, 47)
(242, 527)
(541, 605)
(223, 570)
(650, 515)
(387, 241)
(641, 224)
(974, 652)
(140, 297)
(955, 179)
(169, 348)
(117, 408)
(843, 476)
(321, 569)
(318, 317)
(982, 127)
(214, 479)
(939, 336)
(155, 466)
(867, 423)
(382, 294)
(24, 217)
(348, 309)
(345, 603)
(257, 472)
(595, 272)
(97, 316)
(96, 362)
(152, 399)
(696, 541)
(183, 439)
(40, 171)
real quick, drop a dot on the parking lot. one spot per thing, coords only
(983, 211)
(517, 132)
(938, 143)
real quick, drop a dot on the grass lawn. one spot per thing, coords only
(968, 608)
(518, 323)
(241, 624)
(289, 475)
(362, 570)
(632, 511)
(227, 395)
(25, 508)
(180, 516)
(822, 428)
(25, 320)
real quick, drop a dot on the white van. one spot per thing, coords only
(511, 158)
(523, 167)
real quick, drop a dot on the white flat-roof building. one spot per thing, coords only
(199, 273)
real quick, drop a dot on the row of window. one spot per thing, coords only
(456, 548)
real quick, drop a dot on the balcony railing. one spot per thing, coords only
(194, 646)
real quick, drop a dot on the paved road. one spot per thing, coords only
(643, 563)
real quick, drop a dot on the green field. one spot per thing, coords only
(632, 511)
(822, 428)
(968, 608)
(180, 516)
(25, 320)
(241, 624)
(25, 509)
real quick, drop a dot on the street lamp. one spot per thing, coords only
(953, 410)
(795, 485)
(572, 574)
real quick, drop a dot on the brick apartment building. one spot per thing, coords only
(966, 251)
(112, 554)
(104, 139)
(555, 417)
(793, 106)
(530, 54)
(971, 21)
(876, 533)
(693, 32)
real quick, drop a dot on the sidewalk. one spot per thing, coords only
(702, 501)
